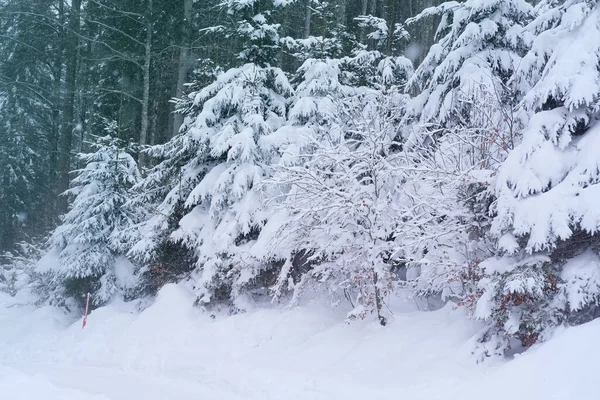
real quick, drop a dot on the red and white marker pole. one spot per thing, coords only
(87, 307)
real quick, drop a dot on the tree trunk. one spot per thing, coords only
(66, 138)
(182, 70)
(307, 19)
(390, 15)
(54, 170)
(341, 17)
(378, 300)
(363, 11)
(146, 78)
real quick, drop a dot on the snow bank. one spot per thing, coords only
(563, 368)
(17, 386)
(173, 350)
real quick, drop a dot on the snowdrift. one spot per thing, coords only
(172, 350)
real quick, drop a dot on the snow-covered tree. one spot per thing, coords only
(547, 189)
(243, 106)
(479, 46)
(461, 123)
(162, 193)
(320, 91)
(378, 64)
(340, 206)
(342, 105)
(27, 100)
(18, 177)
(217, 162)
(251, 22)
(453, 180)
(325, 35)
(89, 240)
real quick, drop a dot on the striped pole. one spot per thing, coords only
(87, 307)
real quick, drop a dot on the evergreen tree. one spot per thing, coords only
(478, 48)
(221, 159)
(88, 242)
(378, 64)
(547, 221)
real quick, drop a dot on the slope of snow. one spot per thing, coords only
(172, 350)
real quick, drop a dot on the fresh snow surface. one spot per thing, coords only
(173, 351)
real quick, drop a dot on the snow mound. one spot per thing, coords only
(173, 350)
(562, 368)
(17, 386)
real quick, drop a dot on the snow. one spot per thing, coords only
(583, 280)
(49, 262)
(22, 387)
(125, 273)
(172, 350)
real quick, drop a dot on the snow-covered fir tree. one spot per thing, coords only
(162, 193)
(378, 64)
(324, 36)
(219, 159)
(17, 179)
(478, 47)
(547, 216)
(89, 239)
(27, 89)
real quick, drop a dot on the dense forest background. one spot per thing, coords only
(69, 67)
(258, 150)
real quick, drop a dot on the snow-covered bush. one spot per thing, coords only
(340, 209)
(453, 180)
(17, 270)
(547, 189)
(461, 124)
(334, 149)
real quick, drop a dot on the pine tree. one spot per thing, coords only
(379, 63)
(478, 48)
(88, 242)
(221, 159)
(162, 194)
(17, 182)
(547, 221)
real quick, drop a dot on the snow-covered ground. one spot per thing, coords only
(172, 351)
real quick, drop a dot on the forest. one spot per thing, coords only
(262, 151)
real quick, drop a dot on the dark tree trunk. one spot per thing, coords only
(66, 138)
